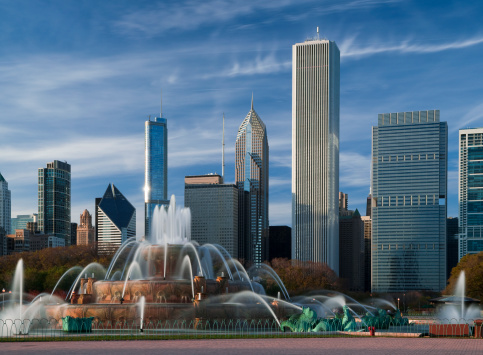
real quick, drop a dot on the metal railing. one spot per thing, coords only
(52, 329)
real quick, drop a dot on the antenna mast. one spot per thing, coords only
(161, 112)
(223, 151)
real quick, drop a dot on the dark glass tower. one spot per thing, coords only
(54, 200)
(156, 168)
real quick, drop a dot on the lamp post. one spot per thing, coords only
(3, 299)
(398, 303)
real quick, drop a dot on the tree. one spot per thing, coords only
(472, 265)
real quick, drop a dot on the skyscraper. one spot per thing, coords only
(155, 168)
(251, 177)
(116, 220)
(315, 152)
(470, 221)
(5, 213)
(214, 211)
(20, 222)
(54, 200)
(86, 233)
(409, 183)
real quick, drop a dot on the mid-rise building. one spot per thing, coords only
(351, 251)
(451, 244)
(409, 183)
(86, 233)
(20, 222)
(54, 200)
(214, 211)
(5, 212)
(73, 233)
(367, 251)
(155, 169)
(470, 181)
(315, 152)
(280, 242)
(116, 220)
(251, 177)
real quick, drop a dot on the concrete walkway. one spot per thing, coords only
(392, 346)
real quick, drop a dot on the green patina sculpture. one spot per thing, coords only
(77, 325)
(307, 321)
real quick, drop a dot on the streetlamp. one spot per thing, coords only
(398, 303)
(3, 299)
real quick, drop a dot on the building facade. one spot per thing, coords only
(155, 169)
(280, 242)
(367, 251)
(214, 211)
(116, 220)
(351, 251)
(409, 191)
(86, 233)
(315, 152)
(54, 200)
(470, 186)
(451, 244)
(251, 178)
(20, 222)
(5, 213)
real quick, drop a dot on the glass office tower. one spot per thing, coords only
(156, 168)
(54, 200)
(315, 152)
(251, 178)
(470, 221)
(409, 184)
(5, 213)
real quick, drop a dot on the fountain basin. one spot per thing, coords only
(449, 330)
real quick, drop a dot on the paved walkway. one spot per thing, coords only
(392, 346)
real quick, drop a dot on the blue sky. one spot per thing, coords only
(79, 78)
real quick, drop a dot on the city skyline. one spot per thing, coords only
(66, 80)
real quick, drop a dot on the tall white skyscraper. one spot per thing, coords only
(315, 152)
(470, 221)
(5, 213)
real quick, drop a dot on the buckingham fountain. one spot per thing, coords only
(174, 279)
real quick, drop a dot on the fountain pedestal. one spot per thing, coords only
(449, 330)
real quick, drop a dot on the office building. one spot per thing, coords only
(251, 178)
(155, 168)
(86, 233)
(20, 222)
(451, 244)
(54, 200)
(470, 221)
(351, 251)
(116, 220)
(5, 213)
(214, 211)
(409, 183)
(73, 233)
(315, 152)
(280, 242)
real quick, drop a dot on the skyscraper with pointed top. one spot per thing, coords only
(251, 175)
(156, 168)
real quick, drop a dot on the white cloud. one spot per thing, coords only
(280, 213)
(475, 114)
(349, 49)
(354, 170)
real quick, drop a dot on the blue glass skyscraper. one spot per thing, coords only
(470, 220)
(409, 184)
(156, 168)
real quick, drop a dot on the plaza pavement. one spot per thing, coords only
(378, 345)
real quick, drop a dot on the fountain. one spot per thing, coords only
(171, 278)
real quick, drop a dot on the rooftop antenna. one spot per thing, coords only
(318, 36)
(223, 151)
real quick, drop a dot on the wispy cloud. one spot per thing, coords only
(350, 48)
(354, 170)
(280, 213)
(475, 114)
(260, 65)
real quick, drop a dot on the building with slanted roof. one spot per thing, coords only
(116, 220)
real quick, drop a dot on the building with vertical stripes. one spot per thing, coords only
(315, 152)
(409, 187)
